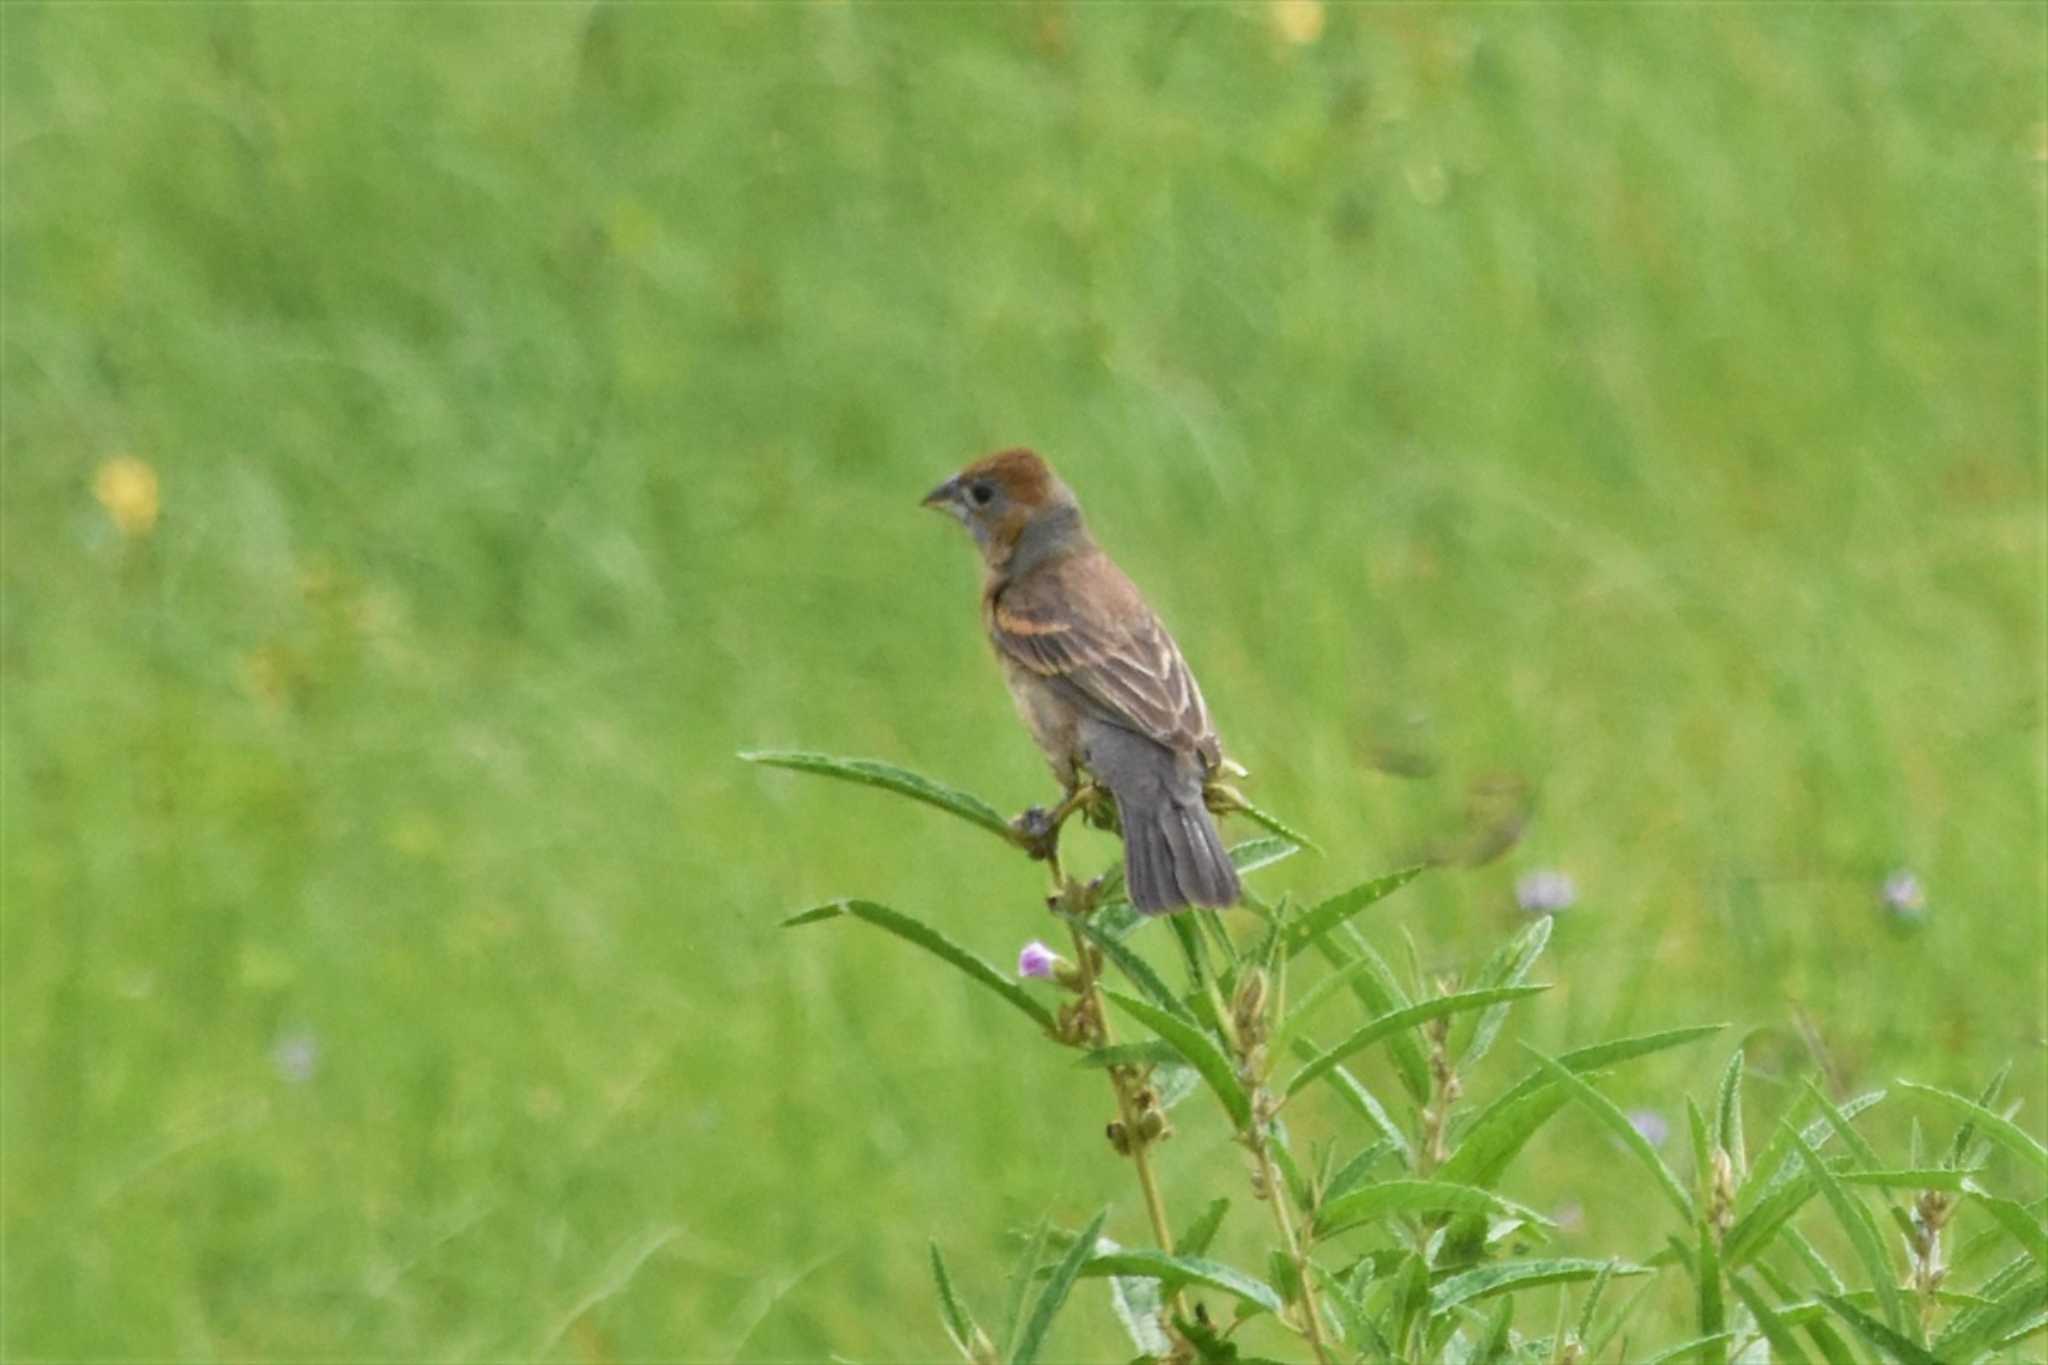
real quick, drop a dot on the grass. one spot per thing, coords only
(1640, 407)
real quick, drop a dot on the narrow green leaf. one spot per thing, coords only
(1707, 1281)
(1494, 1345)
(1050, 1299)
(1136, 969)
(1778, 1163)
(1505, 1126)
(1858, 1145)
(1315, 997)
(1785, 1348)
(1151, 1052)
(1862, 1231)
(2017, 1313)
(2020, 1225)
(1390, 1197)
(1408, 1299)
(958, 1321)
(1509, 966)
(1401, 1019)
(1021, 1279)
(1376, 988)
(1357, 1170)
(937, 944)
(1137, 1303)
(1333, 911)
(1728, 1117)
(1179, 1270)
(1930, 1178)
(1824, 1277)
(1996, 1126)
(1886, 1339)
(1354, 1093)
(1609, 1114)
(1597, 1057)
(1253, 854)
(1350, 1313)
(1194, 1239)
(1684, 1349)
(1591, 1306)
(870, 772)
(1290, 1170)
(1274, 824)
(1509, 1277)
(1200, 1048)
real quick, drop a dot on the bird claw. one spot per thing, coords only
(1037, 832)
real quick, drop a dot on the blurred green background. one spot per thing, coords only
(438, 437)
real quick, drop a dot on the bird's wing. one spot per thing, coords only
(1080, 623)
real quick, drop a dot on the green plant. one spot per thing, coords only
(1394, 1242)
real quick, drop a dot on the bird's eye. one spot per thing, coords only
(982, 492)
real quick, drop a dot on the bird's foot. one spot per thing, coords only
(1037, 832)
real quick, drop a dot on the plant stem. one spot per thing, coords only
(1297, 1252)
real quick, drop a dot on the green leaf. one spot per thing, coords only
(1707, 1281)
(1839, 1121)
(1179, 1270)
(2021, 1225)
(1608, 1269)
(1753, 1232)
(1508, 1277)
(1416, 1196)
(1050, 1299)
(1683, 1349)
(1365, 1102)
(1195, 1238)
(1930, 1178)
(1617, 1122)
(1862, 1231)
(1275, 824)
(1494, 1347)
(1253, 854)
(870, 772)
(1290, 1171)
(1137, 1303)
(1597, 1057)
(1350, 1314)
(1200, 1048)
(1778, 1163)
(1328, 914)
(1151, 1052)
(1354, 1172)
(1401, 1019)
(958, 1321)
(935, 943)
(1315, 997)
(1376, 988)
(1996, 1126)
(1728, 1117)
(1785, 1348)
(1136, 969)
(1972, 1333)
(1508, 967)
(1886, 1339)
(1021, 1280)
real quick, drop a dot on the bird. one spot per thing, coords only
(1095, 676)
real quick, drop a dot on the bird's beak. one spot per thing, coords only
(944, 497)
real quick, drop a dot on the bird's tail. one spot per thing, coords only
(1173, 856)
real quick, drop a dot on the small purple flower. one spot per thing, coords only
(1037, 961)
(296, 1056)
(1545, 891)
(1650, 1124)
(1903, 896)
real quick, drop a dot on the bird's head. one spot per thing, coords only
(1002, 498)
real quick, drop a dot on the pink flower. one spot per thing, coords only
(1036, 961)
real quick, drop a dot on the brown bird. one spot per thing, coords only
(1095, 676)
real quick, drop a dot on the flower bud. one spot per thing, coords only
(1037, 962)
